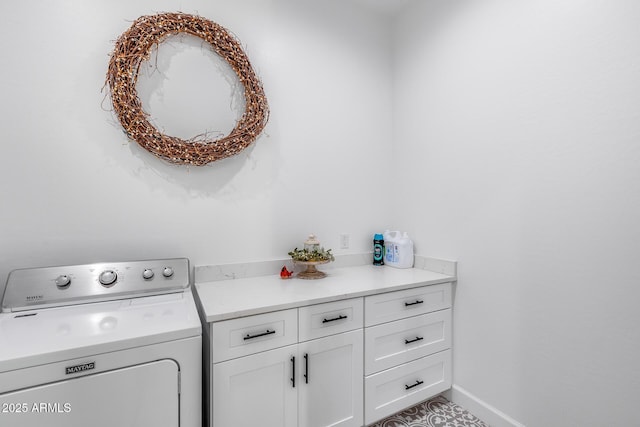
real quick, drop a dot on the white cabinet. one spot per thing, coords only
(402, 386)
(312, 383)
(256, 390)
(253, 334)
(393, 343)
(321, 320)
(407, 348)
(331, 381)
(386, 307)
(345, 351)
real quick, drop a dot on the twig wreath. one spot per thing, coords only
(133, 47)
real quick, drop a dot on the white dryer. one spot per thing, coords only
(104, 345)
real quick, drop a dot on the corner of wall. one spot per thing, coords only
(481, 409)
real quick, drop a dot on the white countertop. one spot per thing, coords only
(228, 299)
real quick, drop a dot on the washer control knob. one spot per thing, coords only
(147, 274)
(167, 272)
(108, 277)
(63, 281)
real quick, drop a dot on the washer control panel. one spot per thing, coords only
(80, 284)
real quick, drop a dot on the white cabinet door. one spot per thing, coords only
(331, 381)
(256, 390)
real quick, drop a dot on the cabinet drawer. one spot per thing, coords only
(395, 389)
(409, 302)
(402, 341)
(330, 318)
(252, 334)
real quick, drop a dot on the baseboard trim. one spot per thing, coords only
(480, 408)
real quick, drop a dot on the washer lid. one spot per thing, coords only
(36, 337)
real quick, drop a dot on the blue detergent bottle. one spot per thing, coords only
(378, 249)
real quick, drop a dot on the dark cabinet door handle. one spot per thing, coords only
(267, 332)
(334, 319)
(293, 371)
(306, 368)
(408, 387)
(413, 340)
(407, 304)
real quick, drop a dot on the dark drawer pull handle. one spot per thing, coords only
(293, 371)
(407, 387)
(413, 340)
(334, 319)
(306, 368)
(250, 337)
(407, 304)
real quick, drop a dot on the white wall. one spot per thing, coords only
(517, 147)
(74, 190)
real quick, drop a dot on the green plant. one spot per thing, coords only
(314, 256)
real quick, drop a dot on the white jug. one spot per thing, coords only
(398, 251)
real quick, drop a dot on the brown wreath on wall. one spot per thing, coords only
(133, 47)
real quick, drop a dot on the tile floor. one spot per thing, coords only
(436, 412)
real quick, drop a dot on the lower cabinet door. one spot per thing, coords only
(256, 390)
(331, 381)
(405, 385)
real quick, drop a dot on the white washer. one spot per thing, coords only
(110, 344)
